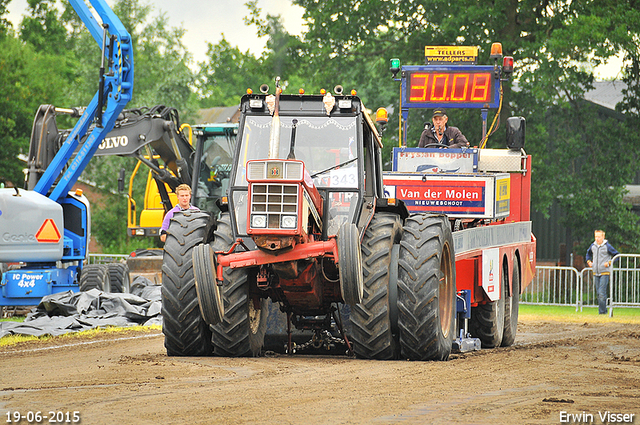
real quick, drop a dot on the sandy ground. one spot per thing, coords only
(554, 370)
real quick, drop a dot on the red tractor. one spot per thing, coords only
(307, 226)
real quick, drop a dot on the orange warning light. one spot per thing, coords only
(48, 232)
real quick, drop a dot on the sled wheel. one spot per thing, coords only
(374, 330)
(185, 331)
(119, 277)
(95, 276)
(350, 264)
(426, 288)
(511, 306)
(207, 287)
(242, 329)
(487, 320)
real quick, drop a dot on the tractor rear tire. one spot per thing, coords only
(241, 332)
(373, 332)
(185, 331)
(487, 320)
(511, 306)
(426, 288)
(350, 264)
(119, 277)
(95, 276)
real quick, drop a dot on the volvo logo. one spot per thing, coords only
(114, 142)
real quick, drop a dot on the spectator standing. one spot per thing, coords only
(599, 257)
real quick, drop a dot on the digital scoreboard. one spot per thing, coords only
(450, 86)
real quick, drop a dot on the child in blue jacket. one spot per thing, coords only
(599, 258)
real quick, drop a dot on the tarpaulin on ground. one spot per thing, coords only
(69, 311)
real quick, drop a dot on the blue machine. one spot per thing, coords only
(46, 231)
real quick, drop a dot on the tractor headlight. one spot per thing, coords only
(259, 221)
(288, 222)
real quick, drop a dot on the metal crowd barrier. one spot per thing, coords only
(105, 258)
(553, 285)
(556, 285)
(624, 285)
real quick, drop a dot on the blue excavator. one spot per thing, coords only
(45, 231)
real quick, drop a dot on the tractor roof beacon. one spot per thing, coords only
(308, 227)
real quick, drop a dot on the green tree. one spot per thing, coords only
(27, 79)
(226, 74)
(43, 28)
(5, 25)
(555, 45)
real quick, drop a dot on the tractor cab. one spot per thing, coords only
(324, 142)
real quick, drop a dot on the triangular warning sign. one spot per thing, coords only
(48, 232)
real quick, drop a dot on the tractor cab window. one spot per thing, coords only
(325, 144)
(215, 169)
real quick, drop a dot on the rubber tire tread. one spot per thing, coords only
(207, 289)
(422, 245)
(233, 337)
(511, 308)
(94, 276)
(119, 278)
(185, 331)
(371, 320)
(487, 320)
(350, 264)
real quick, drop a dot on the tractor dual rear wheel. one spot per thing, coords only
(242, 329)
(374, 332)
(185, 331)
(426, 288)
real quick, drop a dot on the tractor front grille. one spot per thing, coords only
(274, 206)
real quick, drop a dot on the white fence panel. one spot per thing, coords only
(553, 286)
(624, 285)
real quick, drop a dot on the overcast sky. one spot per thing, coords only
(206, 21)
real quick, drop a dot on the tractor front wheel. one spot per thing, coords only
(242, 329)
(209, 297)
(350, 264)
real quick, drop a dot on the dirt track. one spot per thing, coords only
(128, 379)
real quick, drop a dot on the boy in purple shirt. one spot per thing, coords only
(183, 192)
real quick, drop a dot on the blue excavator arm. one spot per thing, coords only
(46, 230)
(114, 92)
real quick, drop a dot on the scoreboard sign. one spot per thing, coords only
(450, 86)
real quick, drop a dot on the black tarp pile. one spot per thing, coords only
(69, 311)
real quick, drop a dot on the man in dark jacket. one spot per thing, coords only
(599, 256)
(442, 134)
